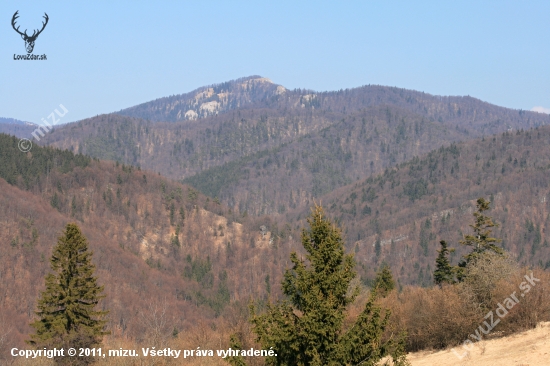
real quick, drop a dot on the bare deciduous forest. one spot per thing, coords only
(193, 216)
(267, 150)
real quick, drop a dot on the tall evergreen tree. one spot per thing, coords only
(307, 329)
(481, 241)
(67, 308)
(444, 272)
(383, 282)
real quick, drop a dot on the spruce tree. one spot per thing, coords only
(444, 272)
(307, 327)
(67, 308)
(481, 241)
(383, 283)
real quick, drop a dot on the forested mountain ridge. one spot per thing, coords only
(256, 92)
(269, 149)
(401, 215)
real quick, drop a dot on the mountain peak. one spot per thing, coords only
(208, 100)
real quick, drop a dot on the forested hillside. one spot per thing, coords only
(293, 174)
(156, 243)
(401, 215)
(263, 149)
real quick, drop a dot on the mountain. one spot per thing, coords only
(208, 101)
(16, 127)
(159, 244)
(264, 149)
(256, 92)
(12, 121)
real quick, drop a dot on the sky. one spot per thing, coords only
(103, 56)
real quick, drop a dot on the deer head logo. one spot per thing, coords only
(29, 40)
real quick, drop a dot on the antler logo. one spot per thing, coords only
(29, 40)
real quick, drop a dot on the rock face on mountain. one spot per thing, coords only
(265, 149)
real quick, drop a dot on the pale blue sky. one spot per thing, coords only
(104, 55)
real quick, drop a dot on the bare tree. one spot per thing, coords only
(158, 327)
(484, 273)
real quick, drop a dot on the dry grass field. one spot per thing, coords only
(529, 348)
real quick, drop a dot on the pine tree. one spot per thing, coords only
(481, 241)
(444, 272)
(383, 283)
(67, 308)
(306, 329)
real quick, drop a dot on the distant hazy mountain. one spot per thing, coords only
(12, 121)
(16, 127)
(262, 148)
